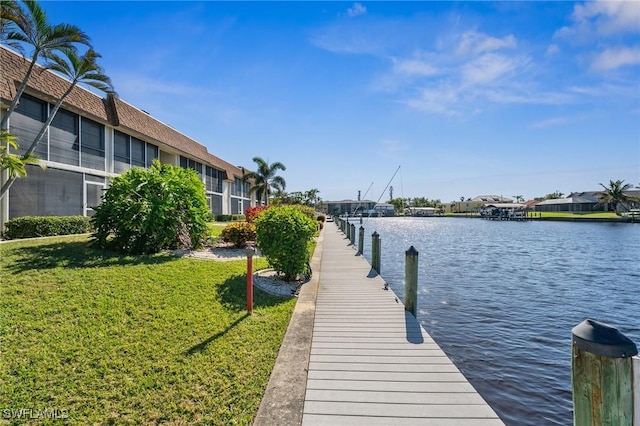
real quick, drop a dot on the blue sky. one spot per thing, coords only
(468, 98)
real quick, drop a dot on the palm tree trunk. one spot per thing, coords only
(7, 185)
(20, 91)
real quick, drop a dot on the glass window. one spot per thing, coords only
(187, 162)
(152, 153)
(137, 152)
(26, 122)
(213, 179)
(63, 140)
(32, 107)
(121, 152)
(92, 145)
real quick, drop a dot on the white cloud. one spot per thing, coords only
(551, 122)
(553, 49)
(611, 59)
(475, 42)
(602, 18)
(414, 67)
(488, 68)
(356, 10)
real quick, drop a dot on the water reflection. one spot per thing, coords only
(501, 299)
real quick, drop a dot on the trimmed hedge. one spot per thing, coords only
(239, 233)
(229, 217)
(46, 226)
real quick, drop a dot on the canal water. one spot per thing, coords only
(501, 298)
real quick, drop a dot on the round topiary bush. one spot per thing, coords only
(239, 233)
(283, 236)
(147, 210)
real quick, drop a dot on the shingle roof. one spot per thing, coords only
(111, 110)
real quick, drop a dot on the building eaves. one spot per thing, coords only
(48, 86)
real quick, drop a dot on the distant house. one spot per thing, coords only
(492, 199)
(575, 203)
(350, 207)
(358, 207)
(476, 203)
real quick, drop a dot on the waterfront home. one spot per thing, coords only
(93, 139)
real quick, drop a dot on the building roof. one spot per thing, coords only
(492, 199)
(111, 110)
(506, 205)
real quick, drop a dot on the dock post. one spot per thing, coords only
(345, 227)
(411, 280)
(375, 251)
(601, 375)
(352, 234)
(361, 240)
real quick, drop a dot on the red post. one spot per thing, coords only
(250, 251)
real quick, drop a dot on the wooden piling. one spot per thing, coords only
(352, 234)
(375, 251)
(601, 375)
(411, 280)
(361, 240)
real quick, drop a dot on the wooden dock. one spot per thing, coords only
(372, 363)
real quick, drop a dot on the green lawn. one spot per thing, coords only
(132, 339)
(595, 215)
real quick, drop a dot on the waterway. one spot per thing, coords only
(501, 298)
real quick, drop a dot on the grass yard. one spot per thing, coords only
(115, 339)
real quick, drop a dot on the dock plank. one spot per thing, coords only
(371, 362)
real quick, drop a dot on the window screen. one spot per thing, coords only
(49, 192)
(152, 153)
(137, 152)
(63, 140)
(92, 145)
(26, 122)
(121, 152)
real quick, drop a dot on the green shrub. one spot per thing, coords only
(229, 217)
(239, 233)
(283, 236)
(148, 210)
(306, 210)
(46, 226)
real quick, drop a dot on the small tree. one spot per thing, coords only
(614, 194)
(283, 236)
(148, 210)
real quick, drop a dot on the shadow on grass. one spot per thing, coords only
(77, 254)
(200, 347)
(233, 295)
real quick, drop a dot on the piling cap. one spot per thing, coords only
(603, 340)
(411, 252)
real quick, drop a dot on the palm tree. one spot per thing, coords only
(312, 196)
(265, 179)
(79, 69)
(518, 198)
(614, 194)
(30, 25)
(14, 164)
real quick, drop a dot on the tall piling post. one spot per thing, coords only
(601, 375)
(352, 234)
(411, 280)
(361, 240)
(375, 251)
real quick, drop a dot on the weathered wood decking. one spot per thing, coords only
(373, 364)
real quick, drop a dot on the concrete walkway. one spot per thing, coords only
(369, 361)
